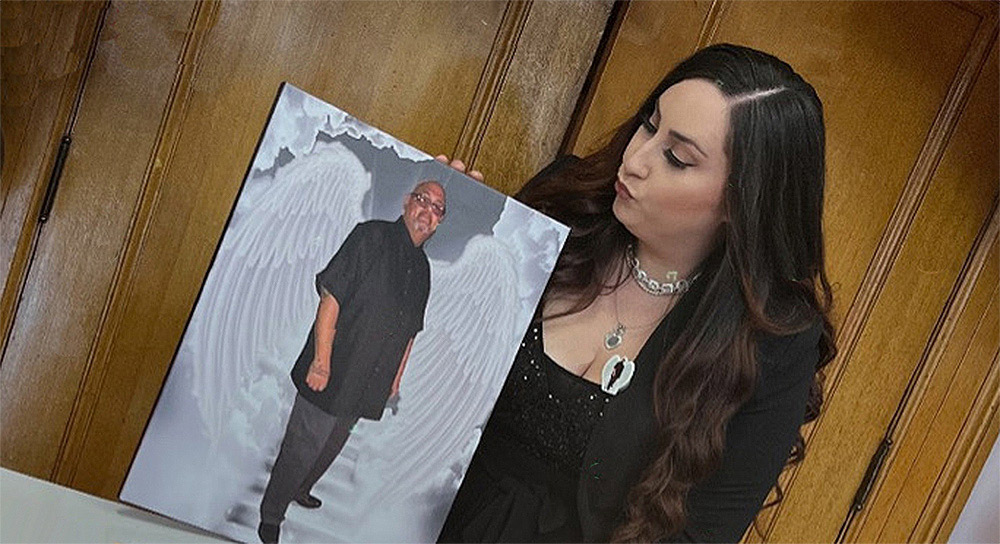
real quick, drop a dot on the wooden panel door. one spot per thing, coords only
(949, 413)
(176, 96)
(912, 184)
(63, 297)
(44, 46)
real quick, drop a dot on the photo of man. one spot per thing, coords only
(348, 341)
(373, 295)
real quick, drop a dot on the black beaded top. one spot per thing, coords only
(546, 408)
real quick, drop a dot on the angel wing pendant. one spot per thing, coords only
(617, 374)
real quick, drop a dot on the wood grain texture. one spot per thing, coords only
(985, 8)
(958, 363)
(964, 463)
(855, 184)
(860, 56)
(200, 20)
(915, 189)
(955, 415)
(710, 26)
(539, 94)
(491, 82)
(360, 56)
(117, 124)
(653, 37)
(875, 373)
(951, 509)
(42, 50)
(951, 372)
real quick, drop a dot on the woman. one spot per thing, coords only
(681, 337)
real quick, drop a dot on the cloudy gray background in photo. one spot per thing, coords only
(208, 449)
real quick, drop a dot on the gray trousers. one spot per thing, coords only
(313, 438)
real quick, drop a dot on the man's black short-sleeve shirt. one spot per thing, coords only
(381, 282)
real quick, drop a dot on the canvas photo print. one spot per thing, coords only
(355, 327)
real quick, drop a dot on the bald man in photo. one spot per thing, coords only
(373, 294)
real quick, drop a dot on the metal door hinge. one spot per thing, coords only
(874, 467)
(57, 168)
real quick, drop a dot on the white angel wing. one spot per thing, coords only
(457, 366)
(259, 298)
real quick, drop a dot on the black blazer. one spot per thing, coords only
(759, 437)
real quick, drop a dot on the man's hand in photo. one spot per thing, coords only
(319, 373)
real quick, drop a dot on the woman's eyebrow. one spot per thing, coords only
(685, 139)
(677, 135)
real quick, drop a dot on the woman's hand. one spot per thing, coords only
(460, 166)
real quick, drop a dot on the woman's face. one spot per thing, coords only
(670, 183)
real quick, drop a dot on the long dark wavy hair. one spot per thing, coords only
(767, 272)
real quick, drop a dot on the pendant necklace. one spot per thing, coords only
(614, 338)
(618, 370)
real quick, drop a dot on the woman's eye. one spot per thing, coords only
(674, 161)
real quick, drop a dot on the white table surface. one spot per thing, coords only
(33, 510)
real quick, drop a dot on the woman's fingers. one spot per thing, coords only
(456, 164)
(460, 166)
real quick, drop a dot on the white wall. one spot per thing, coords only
(980, 519)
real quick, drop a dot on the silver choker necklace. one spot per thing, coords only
(672, 286)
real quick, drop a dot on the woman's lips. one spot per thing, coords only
(622, 190)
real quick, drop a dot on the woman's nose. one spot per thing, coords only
(636, 164)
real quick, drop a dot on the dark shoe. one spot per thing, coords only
(268, 533)
(308, 501)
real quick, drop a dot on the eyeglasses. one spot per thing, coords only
(425, 202)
